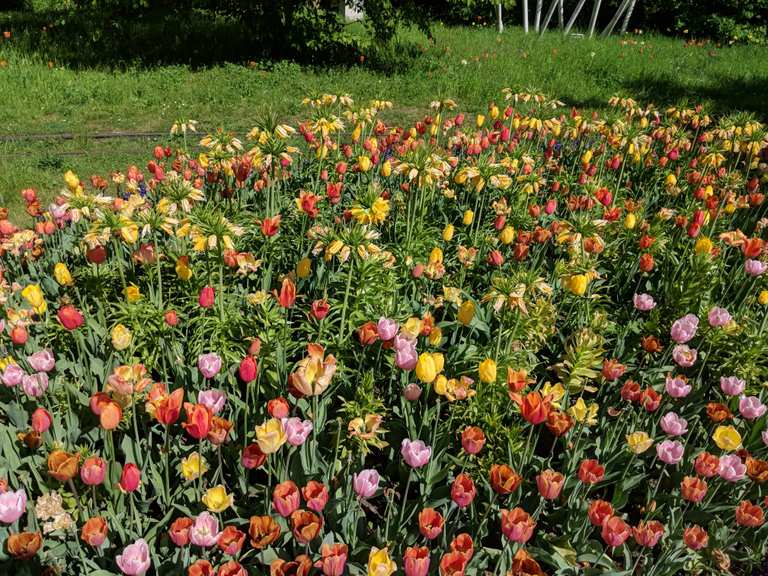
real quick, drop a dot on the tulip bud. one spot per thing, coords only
(130, 478)
(41, 420)
(248, 369)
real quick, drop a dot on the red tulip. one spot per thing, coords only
(207, 297)
(615, 531)
(517, 525)
(249, 369)
(430, 523)
(41, 420)
(599, 511)
(463, 490)
(130, 478)
(416, 561)
(70, 317)
(287, 295)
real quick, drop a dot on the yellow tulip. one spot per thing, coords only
(426, 371)
(586, 158)
(435, 336)
(671, 180)
(121, 337)
(270, 436)
(304, 268)
(577, 284)
(469, 216)
(639, 442)
(583, 413)
(466, 312)
(487, 371)
(216, 499)
(193, 466)
(72, 180)
(132, 293)
(435, 257)
(412, 327)
(62, 275)
(183, 271)
(448, 232)
(441, 385)
(507, 235)
(727, 438)
(386, 169)
(494, 112)
(703, 245)
(379, 562)
(763, 298)
(630, 221)
(480, 120)
(34, 296)
(129, 232)
(364, 163)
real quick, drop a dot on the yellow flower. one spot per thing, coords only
(639, 442)
(763, 297)
(386, 169)
(555, 393)
(583, 413)
(703, 245)
(412, 327)
(448, 232)
(671, 180)
(72, 180)
(466, 312)
(6, 361)
(469, 216)
(727, 438)
(480, 120)
(216, 499)
(425, 368)
(121, 337)
(435, 336)
(630, 221)
(586, 158)
(132, 293)
(304, 268)
(257, 298)
(577, 284)
(183, 271)
(270, 436)
(62, 275)
(507, 235)
(487, 371)
(441, 385)
(364, 163)
(34, 296)
(193, 466)
(129, 232)
(379, 562)
(435, 257)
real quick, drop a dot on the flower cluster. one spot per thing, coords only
(523, 342)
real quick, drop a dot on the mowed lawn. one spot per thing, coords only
(471, 65)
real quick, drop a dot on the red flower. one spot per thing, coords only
(517, 525)
(179, 531)
(452, 564)
(41, 420)
(198, 422)
(649, 533)
(232, 568)
(749, 515)
(231, 540)
(168, 409)
(316, 495)
(70, 317)
(615, 531)
(248, 369)
(430, 523)
(613, 369)
(416, 561)
(706, 464)
(646, 262)
(463, 490)
(207, 297)
(534, 408)
(472, 439)
(320, 309)
(591, 472)
(695, 537)
(270, 226)
(463, 544)
(252, 456)
(599, 511)
(200, 568)
(130, 479)
(171, 318)
(650, 400)
(278, 408)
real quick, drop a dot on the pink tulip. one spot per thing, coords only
(93, 471)
(130, 479)
(718, 317)
(205, 530)
(732, 385)
(386, 329)
(42, 361)
(415, 453)
(12, 375)
(297, 430)
(207, 297)
(755, 267)
(12, 505)
(677, 387)
(684, 356)
(209, 364)
(135, 560)
(643, 302)
(751, 408)
(41, 420)
(673, 424)
(406, 355)
(35, 385)
(670, 451)
(764, 436)
(214, 400)
(731, 468)
(684, 329)
(366, 483)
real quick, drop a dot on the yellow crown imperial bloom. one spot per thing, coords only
(132, 293)
(379, 562)
(121, 337)
(33, 294)
(270, 436)
(129, 232)
(466, 312)
(448, 232)
(480, 120)
(727, 438)
(62, 274)
(304, 268)
(193, 466)
(639, 442)
(577, 284)
(216, 499)
(183, 271)
(469, 216)
(703, 245)
(426, 369)
(507, 235)
(487, 371)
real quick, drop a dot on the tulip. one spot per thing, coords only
(452, 564)
(287, 295)
(732, 385)
(62, 466)
(727, 438)
(379, 562)
(13, 375)
(297, 430)
(24, 545)
(305, 526)
(135, 559)
(62, 275)
(231, 540)
(472, 440)
(416, 561)
(751, 408)
(33, 294)
(270, 436)
(504, 480)
(599, 511)
(35, 385)
(333, 559)
(207, 297)
(168, 409)
(278, 408)
(731, 468)
(550, 484)
(749, 515)
(41, 420)
(130, 479)
(386, 329)
(670, 451)
(217, 500)
(214, 400)
(179, 531)
(70, 317)
(209, 364)
(695, 537)
(648, 533)
(316, 495)
(94, 531)
(93, 471)
(487, 371)
(205, 530)
(198, 422)
(430, 523)
(517, 525)
(121, 337)
(706, 464)
(263, 531)
(12, 505)
(320, 309)
(415, 453)
(286, 498)
(643, 302)
(463, 490)
(252, 457)
(673, 424)
(693, 489)
(615, 531)
(366, 483)
(590, 471)
(42, 361)
(684, 329)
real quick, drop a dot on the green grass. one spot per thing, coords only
(469, 65)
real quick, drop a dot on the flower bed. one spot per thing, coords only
(526, 342)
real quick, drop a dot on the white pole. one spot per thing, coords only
(627, 16)
(499, 20)
(548, 16)
(593, 19)
(573, 17)
(525, 16)
(560, 17)
(539, 6)
(609, 28)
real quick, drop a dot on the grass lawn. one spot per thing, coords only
(40, 96)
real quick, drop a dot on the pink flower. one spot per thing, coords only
(684, 329)
(751, 407)
(386, 329)
(12, 505)
(670, 451)
(214, 400)
(205, 530)
(644, 302)
(684, 356)
(207, 297)
(718, 317)
(415, 453)
(12, 375)
(42, 361)
(755, 267)
(673, 424)
(209, 364)
(732, 385)
(765, 436)
(731, 468)
(135, 560)
(406, 355)
(297, 430)
(35, 385)
(677, 387)
(366, 483)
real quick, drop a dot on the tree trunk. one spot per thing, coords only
(593, 19)
(499, 19)
(525, 16)
(573, 17)
(627, 16)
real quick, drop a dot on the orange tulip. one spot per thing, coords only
(263, 531)
(287, 293)
(168, 409)
(198, 422)
(305, 525)
(62, 466)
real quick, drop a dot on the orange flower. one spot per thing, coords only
(591, 472)
(168, 407)
(599, 511)
(110, 416)
(718, 412)
(287, 294)
(534, 408)
(198, 422)
(430, 523)
(62, 466)
(313, 373)
(523, 564)
(94, 531)
(504, 480)
(749, 515)
(452, 564)
(472, 439)
(517, 525)
(24, 545)
(550, 484)
(305, 525)
(693, 489)
(263, 531)
(300, 566)
(231, 541)
(695, 537)
(559, 422)
(757, 470)
(219, 430)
